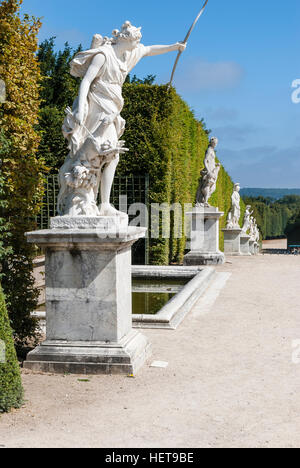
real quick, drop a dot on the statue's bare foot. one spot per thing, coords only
(108, 210)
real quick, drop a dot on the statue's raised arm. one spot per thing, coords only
(94, 126)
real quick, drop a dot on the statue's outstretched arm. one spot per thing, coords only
(93, 70)
(164, 49)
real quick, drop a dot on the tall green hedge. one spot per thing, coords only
(292, 230)
(11, 391)
(23, 183)
(167, 142)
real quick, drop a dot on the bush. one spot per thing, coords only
(23, 183)
(11, 391)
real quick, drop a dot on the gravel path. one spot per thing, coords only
(231, 381)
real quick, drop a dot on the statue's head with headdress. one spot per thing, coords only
(128, 33)
(214, 142)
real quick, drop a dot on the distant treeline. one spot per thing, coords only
(276, 194)
(293, 230)
(273, 216)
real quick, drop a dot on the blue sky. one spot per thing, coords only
(237, 72)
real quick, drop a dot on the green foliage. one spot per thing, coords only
(4, 225)
(292, 230)
(149, 80)
(274, 216)
(169, 144)
(11, 391)
(53, 147)
(23, 183)
(58, 90)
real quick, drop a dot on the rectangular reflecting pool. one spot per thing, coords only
(163, 296)
(150, 295)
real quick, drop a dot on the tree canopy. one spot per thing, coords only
(273, 216)
(23, 183)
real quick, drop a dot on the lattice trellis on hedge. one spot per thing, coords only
(135, 188)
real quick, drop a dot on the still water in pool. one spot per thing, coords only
(150, 296)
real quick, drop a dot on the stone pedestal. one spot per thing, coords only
(232, 243)
(256, 248)
(88, 298)
(245, 247)
(205, 237)
(251, 247)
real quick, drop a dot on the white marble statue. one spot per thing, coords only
(233, 221)
(209, 175)
(257, 233)
(94, 127)
(252, 228)
(247, 222)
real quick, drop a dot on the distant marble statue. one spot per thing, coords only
(209, 175)
(93, 127)
(247, 222)
(252, 228)
(233, 221)
(257, 233)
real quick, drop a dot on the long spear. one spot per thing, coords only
(185, 42)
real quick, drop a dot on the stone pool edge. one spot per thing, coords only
(174, 312)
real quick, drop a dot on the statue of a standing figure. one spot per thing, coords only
(247, 221)
(93, 127)
(209, 175)
(257, 233)
(235, 213)
(252, 228)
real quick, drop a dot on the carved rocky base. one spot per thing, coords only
(205, 237)
(88, 300)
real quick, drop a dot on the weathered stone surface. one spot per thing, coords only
(88, 302)
(205, 237)
(232, 243)
(252, 247)
(87, 239)
(256, 248)
(103, 223)
(245, 247)
(124, 357)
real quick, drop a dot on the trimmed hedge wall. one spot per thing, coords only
(169, 144)
(11, 391)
